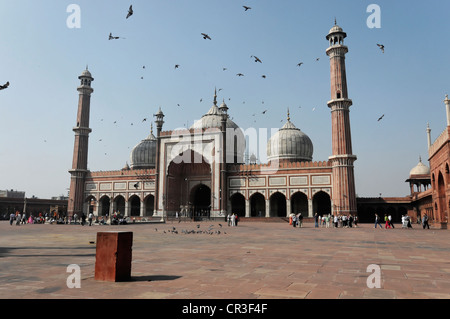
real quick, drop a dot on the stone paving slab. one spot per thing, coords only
(255, 260)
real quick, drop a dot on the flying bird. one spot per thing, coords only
(246, 8)
(177, 66)
(264, 112)
(145, 119)
(111, 37)
(205, 36)
(381, 46)
(224, 69)
(299, 64)
(4, 86)
(240, 74)
(380, 118)
(317, 59)
(130, 12)
(263, 76)
(256, 59)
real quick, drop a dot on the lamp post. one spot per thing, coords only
(159, 123)
(223, 187)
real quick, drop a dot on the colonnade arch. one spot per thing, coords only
(238, 204)
(106, 205)
(257, 205)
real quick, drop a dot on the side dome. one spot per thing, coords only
(290, 144)
(143, 154)
(419, 169)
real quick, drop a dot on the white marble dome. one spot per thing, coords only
(290, 144)
(143, 154)
(235, 136)
(420, 169)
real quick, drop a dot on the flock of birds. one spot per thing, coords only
(205, 36)
(208, 231)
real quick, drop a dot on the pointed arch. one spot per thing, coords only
(257, 205)
(134, 202)
(299, 203)
(277, 205)
(321, 203)
(238, 204)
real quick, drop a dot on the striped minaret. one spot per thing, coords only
(80, 151)
(343, 194)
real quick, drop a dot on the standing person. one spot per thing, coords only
(377, 221)
(229, 219)
(75, 218)
(24, 218)
(294, 221)
(91, 216)
(425, 221)
(386, 219)
(391, 223)
(355, 220)
(18, 218)
(316, 220)
(335, 221)
(236, 219)
(83, 219)
(300, 220)
(233, 220)
(350, 220)
(12, 216)
(327, 220)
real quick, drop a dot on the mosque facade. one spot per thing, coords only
(201, 171)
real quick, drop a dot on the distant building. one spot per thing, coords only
(12, 194)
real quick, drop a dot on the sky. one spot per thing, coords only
(42, 55)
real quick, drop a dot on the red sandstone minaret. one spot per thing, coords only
(344, 195)
(80, 151)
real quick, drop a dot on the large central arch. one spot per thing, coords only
(185, 174)
(201, 200)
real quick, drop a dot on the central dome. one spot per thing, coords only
(290, 144)
(213, 119)
(235, 139)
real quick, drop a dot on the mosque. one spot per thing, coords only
(201, 171)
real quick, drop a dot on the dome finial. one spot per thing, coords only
(335, 23)
(215, 96)
(151, 128)
(288, 115)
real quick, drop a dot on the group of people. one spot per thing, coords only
(337, 221)
(232, 219)
(327, 221)
(388, 223)
(22, 219)
(406, 221)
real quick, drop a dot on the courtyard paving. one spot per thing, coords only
(255, 260)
